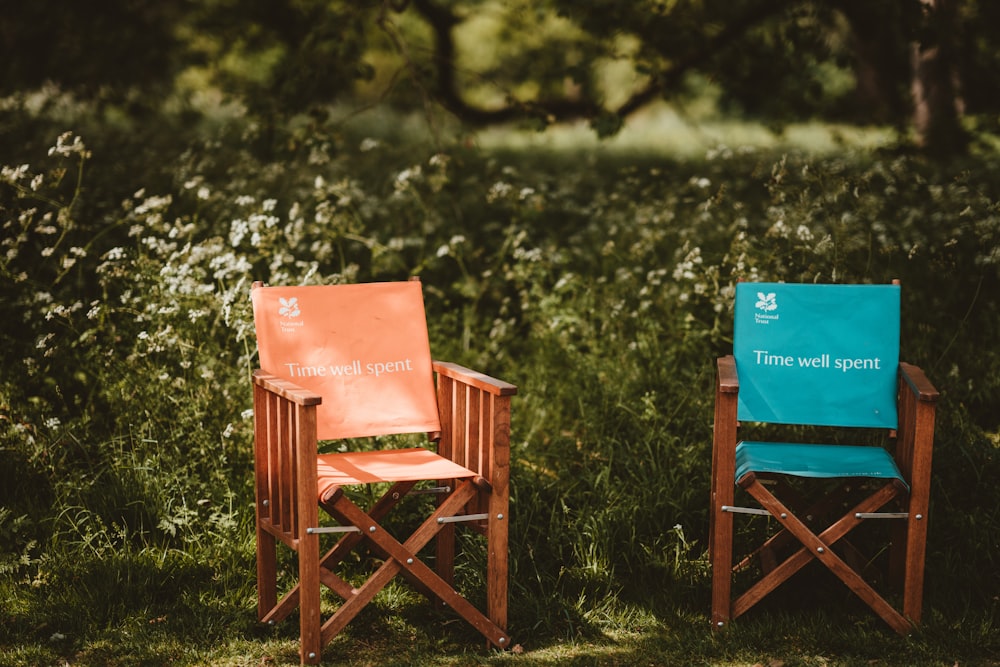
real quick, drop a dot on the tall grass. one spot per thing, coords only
(599, 282)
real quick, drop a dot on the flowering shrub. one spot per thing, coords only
(602, 288)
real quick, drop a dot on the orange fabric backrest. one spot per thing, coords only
(364, 348)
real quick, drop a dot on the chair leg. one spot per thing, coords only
(913, 577)
(346, 544)
(401, 558)
(309, 599)
(722, 565)
(819, 547)
(444, 554)
(497, 562)
(267, 573)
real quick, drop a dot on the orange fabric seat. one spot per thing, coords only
(384, 465)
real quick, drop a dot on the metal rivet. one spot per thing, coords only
(502, 640)
(918, 517)
(820, 550)
(720, 624)
(409, 561)
(499, 517)
(371, 529)
(312, 656)
(265, 503)
(271, 622)
(784, 515)
(440, 520)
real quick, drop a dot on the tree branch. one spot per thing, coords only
(442, 21)
(671, 78)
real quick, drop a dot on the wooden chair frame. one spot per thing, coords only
(913, 440)
(475, 421)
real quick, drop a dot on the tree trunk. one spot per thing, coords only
(937, 102)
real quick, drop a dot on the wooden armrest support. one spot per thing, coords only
(285, 388)
(474, 378)
(918, 382)
(729, 380)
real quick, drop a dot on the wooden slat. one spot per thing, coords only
(918, 438)
(474, 378)
(267, 573)
(499, 512)
(304, 486)
(283, 469)
(286, 389)
(723, 489)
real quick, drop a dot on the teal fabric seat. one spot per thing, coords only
(812, 460)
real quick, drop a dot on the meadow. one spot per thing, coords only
(596, 276)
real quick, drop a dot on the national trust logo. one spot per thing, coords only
(766, 306)
(289, 311)
(290, 307)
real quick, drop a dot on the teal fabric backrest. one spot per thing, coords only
(826, 355)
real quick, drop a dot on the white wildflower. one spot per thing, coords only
(499, 190)
(405, 177)
(13, 174)
(66, 146)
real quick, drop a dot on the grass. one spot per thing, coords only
(637, 637)
(594, 276)
(665, 131)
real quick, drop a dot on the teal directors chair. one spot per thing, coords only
(820, 364)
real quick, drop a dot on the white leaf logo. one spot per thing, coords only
(289, 307)
(767, 302)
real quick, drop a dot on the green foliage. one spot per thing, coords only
(600, 285)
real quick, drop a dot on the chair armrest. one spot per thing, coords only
(474, 378)
(729, 379)
(285, 388)
(918, 383)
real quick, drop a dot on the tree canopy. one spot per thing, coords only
(917, 64)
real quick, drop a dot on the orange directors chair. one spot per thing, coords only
(345, 362)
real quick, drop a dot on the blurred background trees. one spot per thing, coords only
(921, 66)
